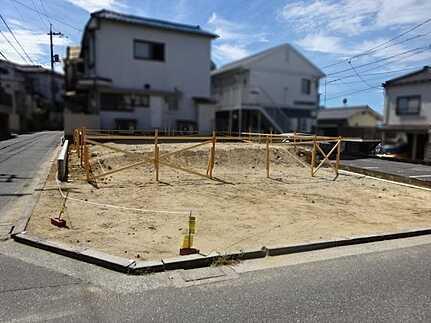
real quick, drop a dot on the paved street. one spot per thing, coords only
(20, 159)
(386, 286)
(408, 170)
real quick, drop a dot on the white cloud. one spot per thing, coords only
(35, 44)
(353, 17)
(322, 43)
(235, 38)
(93, 5)
(228, 52)
(232, 31)
(346, 16)
(402, 12)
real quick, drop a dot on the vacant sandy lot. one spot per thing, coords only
(250, 212)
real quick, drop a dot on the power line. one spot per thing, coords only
(377, 73)
(383, 59)
(354, 92)
(42, 5)
(358, 75)
(47, 16)
(394, 38)
(14, 37)
(40, 16)
(4, 56)
(14, 48)
(373, 49)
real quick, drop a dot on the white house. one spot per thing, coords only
(275, 89)
(407, 115)
(31, 97)
(137, 73)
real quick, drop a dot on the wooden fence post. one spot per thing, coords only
(213, 142)
(156, 153)
(337, 163)
(82, 145)
(268, 158)
(313, 156)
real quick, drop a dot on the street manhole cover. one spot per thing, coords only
(201, 274)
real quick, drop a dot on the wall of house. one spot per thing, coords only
(147, 118)
(231, 89)
(11, 82)
(278, 78)
(363, 119)
(206, 118)
(78, 120)
(391, 94)
(186, 66)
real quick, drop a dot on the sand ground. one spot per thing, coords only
(250, 212)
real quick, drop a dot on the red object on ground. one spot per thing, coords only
(188, 251)
(58, 222)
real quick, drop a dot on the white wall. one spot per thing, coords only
(78, 120)
(279, 76)
(206, 118)
(147, 118)
(186, 66)
(391, 94)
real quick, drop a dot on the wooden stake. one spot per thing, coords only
(268, 159)
(313, 157)
(156, 153)
(337, 163)
(213, 154)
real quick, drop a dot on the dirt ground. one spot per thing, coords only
(250, 211)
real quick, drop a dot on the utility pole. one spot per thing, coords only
(54, 59)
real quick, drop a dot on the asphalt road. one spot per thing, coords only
(20, 159)
(408, 170)
(389, 286)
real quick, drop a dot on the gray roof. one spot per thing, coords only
(246, 61)
(425, 71)
(342, 113)
(154, 23)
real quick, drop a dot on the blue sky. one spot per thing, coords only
(326, 31)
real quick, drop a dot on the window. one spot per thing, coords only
(149, 50)
(172, 102)
(113, 102)
(408, 105)
(306, 86)
(137, 100)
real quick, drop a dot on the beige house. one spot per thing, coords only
(354, 121)
(407, 118)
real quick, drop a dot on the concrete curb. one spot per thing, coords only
(317, 245)
(84, 254)
(138, 267)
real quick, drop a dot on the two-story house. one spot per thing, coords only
(137, 73)
(407, 115)
(275, 89)
(31, 98)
